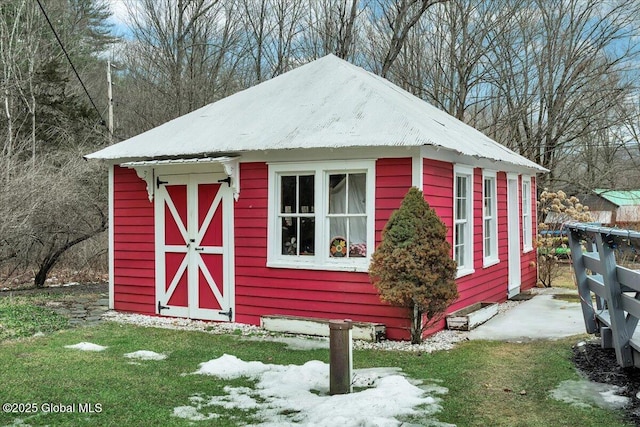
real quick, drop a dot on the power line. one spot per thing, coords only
(55, 33)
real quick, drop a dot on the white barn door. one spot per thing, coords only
(513, 225)
(194, 246)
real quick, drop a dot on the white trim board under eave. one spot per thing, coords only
(449, 156)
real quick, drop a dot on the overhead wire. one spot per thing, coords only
(75, 71)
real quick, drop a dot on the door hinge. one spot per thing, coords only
(159, 182)
(162, 307)
(227, 313)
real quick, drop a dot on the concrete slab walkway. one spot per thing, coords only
(541, 317)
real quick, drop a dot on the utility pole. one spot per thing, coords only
(110, 96)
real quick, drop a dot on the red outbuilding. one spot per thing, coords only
(271, 201)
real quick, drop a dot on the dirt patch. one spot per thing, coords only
(600, 365)
(76, 289)
(567, 297)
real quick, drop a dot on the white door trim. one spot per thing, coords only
(513, 235)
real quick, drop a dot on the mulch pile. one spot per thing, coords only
(600, 365)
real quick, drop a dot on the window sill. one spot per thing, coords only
(490, 262)
(464, 272)
(360, 267)
(528, 249)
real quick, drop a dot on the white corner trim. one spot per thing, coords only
(111, 238)
(417, 172)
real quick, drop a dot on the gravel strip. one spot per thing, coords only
(443, 340)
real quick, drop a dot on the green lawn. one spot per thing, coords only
(484, 378)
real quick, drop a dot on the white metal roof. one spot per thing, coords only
(328, 103)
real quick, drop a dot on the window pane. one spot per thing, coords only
(488, 197)
(487, 238)
(459, 255)
(289, 236)
(338, 237)
(461, 209)
(357, 198)
(460, 228)
(462, 186)
(307, 236)
(357, 238)
(288, 194)
(306, 189)
(337, 193)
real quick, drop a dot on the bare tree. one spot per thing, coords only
(271, 28)
(446, 55)
(394, 20)
(332, 27)
(556, 78)
(182, 55)
(48, 200)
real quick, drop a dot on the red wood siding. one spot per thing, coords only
(133, 240)
(438, 190)
(325, 294)
(490, 283)
(485, 284)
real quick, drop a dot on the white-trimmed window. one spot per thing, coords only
(321, 216)
(463, 219)
(489, 219)
(527, 223)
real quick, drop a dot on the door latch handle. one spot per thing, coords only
(199, 249)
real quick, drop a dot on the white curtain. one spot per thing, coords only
(357, 205)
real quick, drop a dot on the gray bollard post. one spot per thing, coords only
(340, 360)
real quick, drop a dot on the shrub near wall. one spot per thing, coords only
(412, 267)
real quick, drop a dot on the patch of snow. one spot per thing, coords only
(228, 367)
(586, 394)
(86, 346)
(63, 285)
(295, 395)
(146, 355)
(190, 413)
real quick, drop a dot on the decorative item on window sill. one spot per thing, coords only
(291, 247)
(338, 247)
(357, 250)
